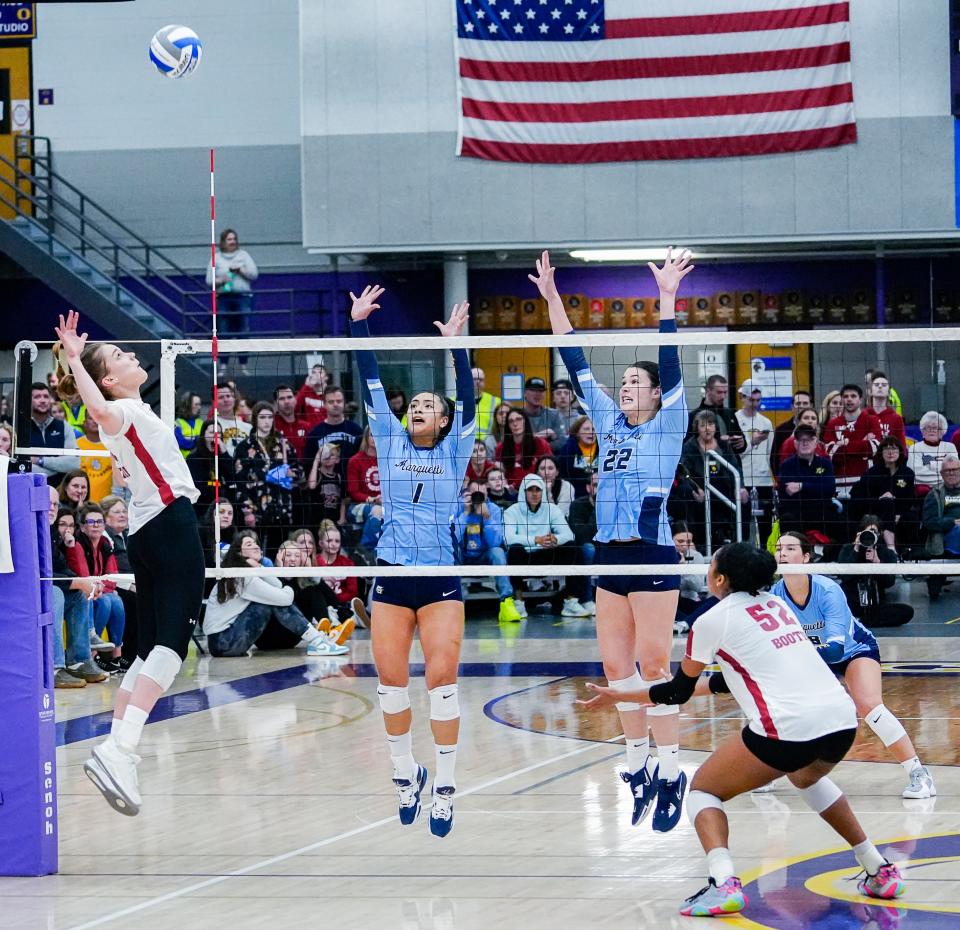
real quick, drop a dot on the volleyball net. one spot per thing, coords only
(743, 476)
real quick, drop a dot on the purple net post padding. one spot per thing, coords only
(28, 750)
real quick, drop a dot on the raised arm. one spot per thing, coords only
(73, 344)
(461, 363)
(589, 393)
(669, 276)
(374, 397)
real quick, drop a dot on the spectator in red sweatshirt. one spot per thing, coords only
(287, 423)
(851, 439)
(310, 403)
(891, 423)
(328, 539)
(480, 465)
(363, 476)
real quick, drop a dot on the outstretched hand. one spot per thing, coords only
(73, 344)
(673, 271)
(366, 303)
(458, 320)
(544, 277)
(608, 697)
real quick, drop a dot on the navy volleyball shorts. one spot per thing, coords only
(412, 592)
(840, 668)
(636, 552)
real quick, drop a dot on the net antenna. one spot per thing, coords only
(214, 350)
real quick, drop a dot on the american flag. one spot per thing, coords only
(575, 81)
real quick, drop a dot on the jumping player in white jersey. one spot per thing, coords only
(164, 546)
(852, 654)
(800, 722)
(422, 467)
(640, 442)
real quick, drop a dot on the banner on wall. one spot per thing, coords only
(774, 376)
(18, 21)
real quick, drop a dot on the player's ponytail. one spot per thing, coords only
(93, 363)
(449, 406)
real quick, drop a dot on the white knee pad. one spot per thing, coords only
(701, 801)
(633, 683)
(393, 700)
(130, 676)
(444, 703)
(885, 725)
(161, 666)
(820, 795)
(661, 710)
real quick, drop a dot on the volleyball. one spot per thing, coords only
(175, 51)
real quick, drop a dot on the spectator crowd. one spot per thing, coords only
(298, 479)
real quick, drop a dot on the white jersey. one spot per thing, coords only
(146, 453)
(783, 687)
(755, 459)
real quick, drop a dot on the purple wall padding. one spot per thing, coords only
(28, 760)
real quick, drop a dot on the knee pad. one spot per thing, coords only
(820, 795)
(444, 703)
(130, 676)
(161, 666)
(661, 710)
(701, 801)
(633, 683)
(885, 725)
(393, 700)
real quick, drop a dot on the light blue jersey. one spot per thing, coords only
(637, 464)
(420, 487)
(828, 622)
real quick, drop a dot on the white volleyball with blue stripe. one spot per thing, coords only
(175, 51)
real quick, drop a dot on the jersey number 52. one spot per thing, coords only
(616, 459)
(767, 620)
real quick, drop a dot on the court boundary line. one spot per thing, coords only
(328, 841)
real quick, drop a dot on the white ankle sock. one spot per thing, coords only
(311, 636)
(115, 725)
(446, 757)
(720, 865)
(637, 752)
(869, 857)
(669, 757)
(910, 764)
(130, 729)
(401, 755)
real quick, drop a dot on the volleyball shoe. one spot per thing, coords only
(408, 793)
(715, 900)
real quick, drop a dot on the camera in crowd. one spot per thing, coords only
(867, 539)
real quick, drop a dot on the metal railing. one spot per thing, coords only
(710, 491)
(79, 224)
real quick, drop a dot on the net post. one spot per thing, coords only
(25, 354)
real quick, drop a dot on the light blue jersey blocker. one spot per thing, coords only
(828, 622)
(420, 487)
(637, 464)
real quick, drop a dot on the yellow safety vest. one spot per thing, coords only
(190, 431)
(485, 407)
(76, 420)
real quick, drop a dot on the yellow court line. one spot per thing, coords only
(744, 923)
(824, 885)
(954, 620)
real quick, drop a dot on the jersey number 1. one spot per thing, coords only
(418, 490)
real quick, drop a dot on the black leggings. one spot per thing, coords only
(167, 560)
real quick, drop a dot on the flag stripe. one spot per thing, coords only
(657, 67)
(657, 47)
(656, 88)
(796, 17)
(659, 149)
(700, 127)
(657, 109)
